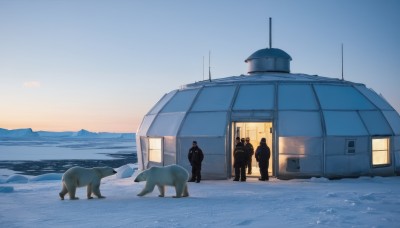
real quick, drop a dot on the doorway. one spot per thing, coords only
(255, 131)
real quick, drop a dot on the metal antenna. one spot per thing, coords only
(270, 32)
(342, 63)
(203, 67)
(209, 66)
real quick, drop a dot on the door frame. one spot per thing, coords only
(270, 142)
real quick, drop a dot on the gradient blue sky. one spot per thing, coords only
(101, 65)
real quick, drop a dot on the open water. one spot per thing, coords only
(36, 156)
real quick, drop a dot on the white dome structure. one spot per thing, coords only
(315, 126)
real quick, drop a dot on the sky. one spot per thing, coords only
(101, 65)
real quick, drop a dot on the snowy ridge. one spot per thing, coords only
(28, 133)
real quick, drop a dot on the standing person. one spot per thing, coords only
(240, 161)
(263, 153)
(195, 157)
(250, 151)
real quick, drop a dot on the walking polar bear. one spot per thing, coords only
(79, 177)
(172, 175)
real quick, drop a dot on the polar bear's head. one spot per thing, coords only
(142, 176)
(104, 171)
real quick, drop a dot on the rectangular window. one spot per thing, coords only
(351, 146)
(155, 150)
(380, 151)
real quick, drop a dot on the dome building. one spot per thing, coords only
(315, 126)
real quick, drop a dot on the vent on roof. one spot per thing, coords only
(269, 59)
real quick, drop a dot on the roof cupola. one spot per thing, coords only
(269, 59)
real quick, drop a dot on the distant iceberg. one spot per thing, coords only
(28, 133)
(19, 133)
(85, 134)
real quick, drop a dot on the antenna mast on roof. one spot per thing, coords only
(203, 67)
(342, 63)
(209, 66)
(270, 33)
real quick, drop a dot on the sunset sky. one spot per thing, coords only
(101, 65)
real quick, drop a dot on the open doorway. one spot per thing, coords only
(255, 131)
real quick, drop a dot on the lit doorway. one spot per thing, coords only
(255, 131)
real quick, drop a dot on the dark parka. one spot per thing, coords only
(249, 149)
(240, 155)
(195, 156)
(263, 153)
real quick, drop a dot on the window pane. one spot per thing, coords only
(342, 98)
(255, 97)
(155, 153)
(296, 97)
(166, 124)
(379, 144)
(158, 106)
(380, 157)
(144, 127)
(394, 120)
(181, 101)
(214, 99)
(344, 124)
(374, 97)
(380, 151)
(375, 123)
(297, 123)
(204, 124)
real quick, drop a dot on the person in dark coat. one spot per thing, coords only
(263, 153)
(195, 157)
(240, 161)
(250, 151)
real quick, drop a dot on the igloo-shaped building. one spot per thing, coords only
(315, 126)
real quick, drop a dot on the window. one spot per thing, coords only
(380, 151)
(351, 146)
(155, 152)
(255, 97)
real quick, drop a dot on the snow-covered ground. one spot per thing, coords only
(316, 202)
(33, 201)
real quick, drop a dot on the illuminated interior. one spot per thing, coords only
(380, 151)
(255, 131)
(155, 153)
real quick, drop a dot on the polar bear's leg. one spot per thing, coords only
(89, 191)
(185, 191)
(147, 189)
(161, 188)
(179, 188)
(63, 191)
(96, 190)
(71, 191)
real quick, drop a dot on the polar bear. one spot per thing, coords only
(79, 177)
(172, 175)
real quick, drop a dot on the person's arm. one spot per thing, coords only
(201, 155)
